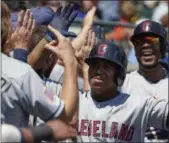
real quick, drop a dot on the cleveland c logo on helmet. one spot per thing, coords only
(146, 26)
(102, 49)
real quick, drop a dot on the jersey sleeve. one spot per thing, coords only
(57, 73)
(38, 100)
(53, 87)
(157, 111)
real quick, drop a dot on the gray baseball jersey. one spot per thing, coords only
(124, 118)
(24, 93)
(57, 75)
(136, 84)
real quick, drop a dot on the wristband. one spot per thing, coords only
(21, 55)
(41, 132)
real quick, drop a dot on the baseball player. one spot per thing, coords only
(149, 40)
(108, 115)
(151, 78)
(102, 110)
(24, 93)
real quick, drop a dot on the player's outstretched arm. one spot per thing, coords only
(158, 113)
(64, 51)
(51, 131)
(83, 44)
(37, 52)
(82, 54)
(87, 25)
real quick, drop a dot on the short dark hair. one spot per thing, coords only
(37, 35)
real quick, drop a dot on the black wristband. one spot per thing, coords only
(41, 132)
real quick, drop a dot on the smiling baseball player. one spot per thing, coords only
(151, 78)
(149, 39)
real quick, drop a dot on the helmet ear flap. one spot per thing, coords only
(120, 76)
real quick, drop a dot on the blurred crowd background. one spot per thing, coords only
(118, 17)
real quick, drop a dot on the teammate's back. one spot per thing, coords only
(14, 68)
(23, 93)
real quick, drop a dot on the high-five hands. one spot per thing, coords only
(87, 45)
(62, 47)
(23, 32)
(78, 42)
(62, 20)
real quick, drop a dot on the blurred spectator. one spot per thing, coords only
(42, 14)
(146, 9)
(53, 4)
(109, 9)
(127, 15)
(16, 5)
(86, 5)
(160, 11)
(164, 20)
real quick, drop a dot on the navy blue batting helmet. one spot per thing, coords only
(152, 28)
(107, 50)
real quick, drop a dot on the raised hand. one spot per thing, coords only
(63, 19)
(87, 25)
(88, 20)
(23, 32)
(87, 45)
(61, 130)
(62, 47)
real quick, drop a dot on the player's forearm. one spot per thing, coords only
(37, 52)
(11, 133)
(70, 90)
(37, 134)
(85, 70)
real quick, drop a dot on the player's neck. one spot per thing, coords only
(154, 74)
(101, 97)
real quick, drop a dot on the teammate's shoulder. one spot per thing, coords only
(14, 68)
(136, 96)
(132, 73)
(130, 77)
